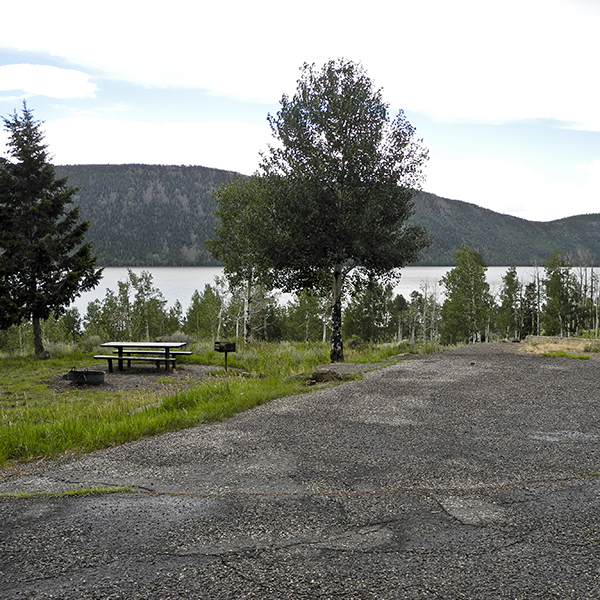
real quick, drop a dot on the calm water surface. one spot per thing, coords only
(179, 283)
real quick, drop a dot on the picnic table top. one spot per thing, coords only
(143, 344)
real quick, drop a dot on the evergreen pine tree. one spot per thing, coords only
(44, 262)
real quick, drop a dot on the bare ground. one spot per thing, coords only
(139, 378)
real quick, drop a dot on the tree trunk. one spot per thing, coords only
(37, 336)
(306, 330)
(337, 347)
(247, 312)
(219, 322)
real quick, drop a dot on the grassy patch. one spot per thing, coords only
(86, 420)
(562, 353)
(262, 358)
(371, 353)
(36, 421)
(80, 492)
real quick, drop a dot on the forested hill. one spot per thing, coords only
(147, 215)
(151, 215)
(502, 239)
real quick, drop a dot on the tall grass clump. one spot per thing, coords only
(268, 359)
(592, 347)
(218, 400)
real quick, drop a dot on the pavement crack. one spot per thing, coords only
(372, 492)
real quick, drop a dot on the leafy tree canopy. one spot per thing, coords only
(343, 175)
(468, 308)
(244, 230)
(340, 181)
(563, 297)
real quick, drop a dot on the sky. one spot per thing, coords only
(505, 94)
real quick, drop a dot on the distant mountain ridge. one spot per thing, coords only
(159, 215)
(502, 239)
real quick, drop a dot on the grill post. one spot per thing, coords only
(225, 347)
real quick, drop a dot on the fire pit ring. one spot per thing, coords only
(85, 376)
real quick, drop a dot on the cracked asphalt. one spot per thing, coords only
(469, 473)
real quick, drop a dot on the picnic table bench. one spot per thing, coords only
(157, 360)
(157, 352)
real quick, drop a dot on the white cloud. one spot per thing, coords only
(591, 172)
(514, 188)
(45, 80)
(14, 98)
(461, 60)
(223, 145)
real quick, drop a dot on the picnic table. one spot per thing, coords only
(157, 352)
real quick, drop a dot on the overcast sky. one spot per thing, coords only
(505, 94)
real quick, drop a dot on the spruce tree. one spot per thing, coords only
(44, 262)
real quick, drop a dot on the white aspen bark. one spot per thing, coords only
(247, 311)
(219, 322)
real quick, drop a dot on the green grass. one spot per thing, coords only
(36, 421)
(369, 353)
(562, 353)
(268, 359)
(79, 492)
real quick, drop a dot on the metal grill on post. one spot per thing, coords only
(225, 347)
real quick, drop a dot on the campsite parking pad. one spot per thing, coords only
(467, 473)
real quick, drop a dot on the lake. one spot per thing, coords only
(179, 283)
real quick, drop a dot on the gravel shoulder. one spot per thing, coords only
(465, 473)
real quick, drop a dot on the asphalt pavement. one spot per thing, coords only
(468, 473)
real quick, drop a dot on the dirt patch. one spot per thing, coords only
(549, 345)
(148, 378)
(139, 378)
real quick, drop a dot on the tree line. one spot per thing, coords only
(562, 299)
